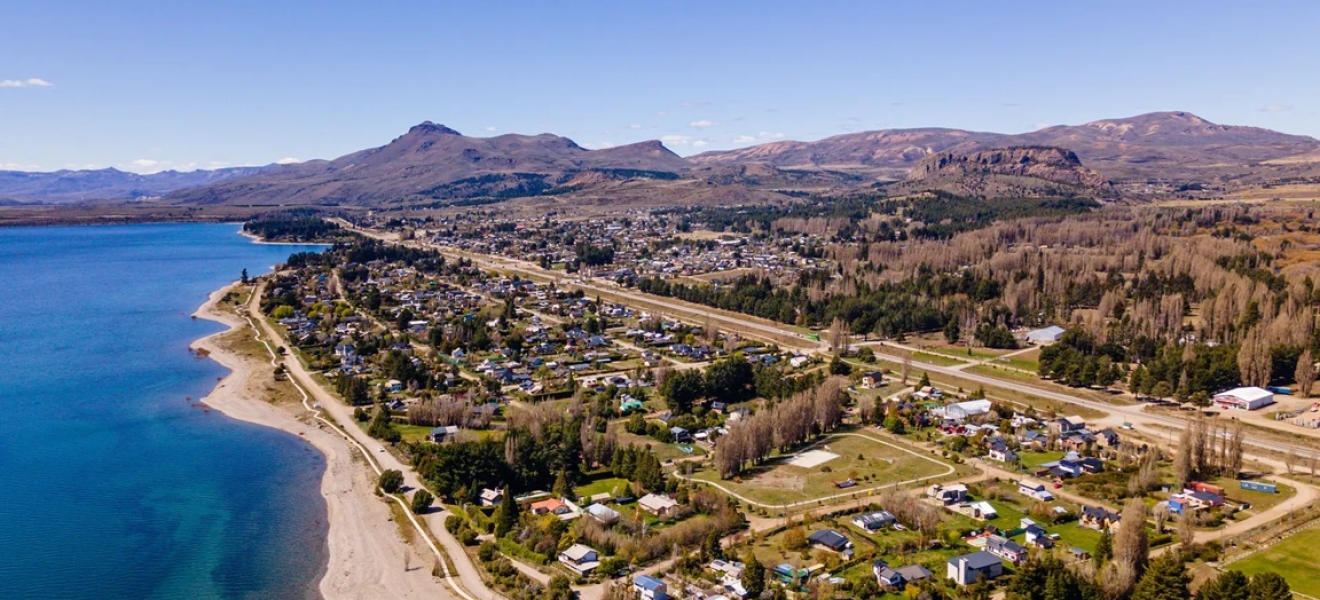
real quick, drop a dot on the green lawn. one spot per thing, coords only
(1036, 459)
(610, 485)
(661, 451)
(1294, 558)
(1260, 501)
(868, 462)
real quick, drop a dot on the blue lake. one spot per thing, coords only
(111, 485)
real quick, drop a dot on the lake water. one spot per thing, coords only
(111, 485)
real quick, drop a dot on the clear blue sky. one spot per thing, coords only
(145, 85)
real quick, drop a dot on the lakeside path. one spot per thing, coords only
(465, 580)
(367, 556)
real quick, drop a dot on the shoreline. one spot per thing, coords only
(367, 557)
(256, 239)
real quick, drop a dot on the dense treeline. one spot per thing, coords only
(888, 309)
(291, 226)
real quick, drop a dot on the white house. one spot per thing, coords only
(1245, 398)
(581, 559)
(657, 505)
(1033, 489)
(490, 497)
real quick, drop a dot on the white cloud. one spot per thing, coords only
(147, 165)
(22, 83)
(634, 126)
(675, 140)
(699, 144)
(701, 123)
(762, 137)
(288, 160)
(490, 128)
(1274, 108)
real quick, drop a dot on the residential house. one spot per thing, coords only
(967, 569)
(440, 434)
(897, 579)
(1036, 490)
(680, 435)
(650, 588)
(660, 506)
(981, 510)
(555, 506)
(490, 497)
(874, 521)
(829, 539)
(999, 451)
(1038, 537)
(1098, 518)
(1006, 549)
(580, 559)
(872, 380)
(604, 514)
(951, 494)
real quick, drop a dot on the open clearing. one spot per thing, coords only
(870, 462)
(1294, 558)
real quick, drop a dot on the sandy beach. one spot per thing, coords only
(368, 557)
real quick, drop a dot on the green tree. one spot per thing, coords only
(1165, 579)
(562, 488)
(682, 389)
(1104, 548)
(391, 481)
(1268, 586)
(838, 367)
(952, 331)
(421, 502)
(925, 380)
(382, 427)
(711, 547)
(753, 576)
(506, 518)
(558, 589)
(1229, 585)
(244, 278)
(283, 311)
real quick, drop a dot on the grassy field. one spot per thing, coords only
(869, 463)
(1293, 558)
(610, 485)
(1260, 501)
(661, 451)
(1035, 459)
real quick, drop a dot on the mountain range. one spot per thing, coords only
(433, 165)
(107, 184)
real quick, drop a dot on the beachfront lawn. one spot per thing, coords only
(868, 461)
(1293, 558)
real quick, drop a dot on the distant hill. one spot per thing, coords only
(435, 163)
(1155, 146)
(1020, 172)
(106, 184)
